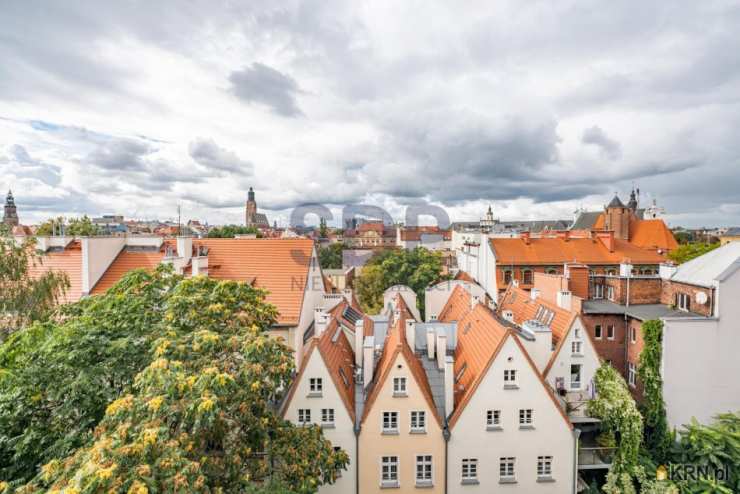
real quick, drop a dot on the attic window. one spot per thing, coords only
(461, 372)
(343, 376)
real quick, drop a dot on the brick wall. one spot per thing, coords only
(612, 350)
(671, 288)
(641, 290)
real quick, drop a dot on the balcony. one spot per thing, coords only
(591, 458)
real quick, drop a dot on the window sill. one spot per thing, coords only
(417, 431)
(526, 427)
(424, 484)
(507, 481)
(494, 428)
(575, 388)
(576, 355)
(328, 426)
(314, 395)
(545, 479)
(390, 485)
(469, 482)
(511, 386)
(390, 432)
(400, 395)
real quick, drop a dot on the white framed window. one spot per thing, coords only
(683, 301)
(597, 331)
(510, 378)
(610, 332)
(424, 470)
(493, 419)
(418, 421)
(389, 470)
(304, 415)
(631, 374)
(399, 386)
(315, 385)
(576, 347)
(544, 467)
(506, 469)
(327, 416)
(525, 417)
(610, 293)
(390, 422)
(575, 376)
(469, 470)
(598, 291)
(633, 335)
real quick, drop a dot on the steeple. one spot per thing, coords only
(10, 215)
(632, 204)
(250, 194)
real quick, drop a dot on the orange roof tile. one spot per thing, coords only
(457, 305)
(523, 308)
(127, 260)
(68, 261)
(652, 234)
(464, 276)
(280, 266)
(395, 344)
(339, 359)
(548, 251)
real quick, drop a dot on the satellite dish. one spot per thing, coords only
(701, 298)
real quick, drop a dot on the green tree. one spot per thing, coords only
(330, 257)
(76, 227)
(201, 417)
(23, 298)
(417, 268)
(323, 230)
(230, 231)
(56, 379)
(687, 252)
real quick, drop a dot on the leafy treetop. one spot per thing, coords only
(230, 231)
(689, 251)
(76, 227)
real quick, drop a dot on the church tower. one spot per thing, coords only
(10, 216)
(618, 218)
(251, 216)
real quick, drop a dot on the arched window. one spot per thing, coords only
(507, 276)
(527, 276)
(551, 271)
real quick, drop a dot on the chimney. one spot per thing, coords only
(411, 334)
(320, 321)
(564, 298)
(474, 300)
(368, 357)
(430, 343)
(607, 238)
(578, 279)
(449, 385)
(441, 349)
(534, 293)
(525, 237)
(359, 337)
(185, 247)
(667, 270)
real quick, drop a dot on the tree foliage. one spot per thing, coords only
(657, 436)
(619, 416)
(200, 417)
(330, 257)
(25, 299)
(689, 251)
(417, 268)
(57, 378)
(230, 231)
(75, 227)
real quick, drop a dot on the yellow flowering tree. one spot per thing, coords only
(202, 417)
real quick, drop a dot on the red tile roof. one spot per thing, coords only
(395, 344)
(548, 251)
(652, 234)
(280, 266)
(68, 261)
(523, 308)
(127, 260)
(415, 232)
(457, 305)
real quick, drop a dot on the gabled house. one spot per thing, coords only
(401, 443)
(323, 392)
(508, 431)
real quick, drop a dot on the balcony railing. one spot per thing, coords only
(595, 457)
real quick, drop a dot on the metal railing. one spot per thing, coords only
(595, 457)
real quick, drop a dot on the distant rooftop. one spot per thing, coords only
(643, 312)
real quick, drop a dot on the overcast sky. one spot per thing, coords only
(537, 108)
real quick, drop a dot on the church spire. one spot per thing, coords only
(10, 213)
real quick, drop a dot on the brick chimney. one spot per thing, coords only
(525, 237)
(607, 238)
(578, 281)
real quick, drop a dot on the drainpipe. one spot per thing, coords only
(357, 456)
(628, 289)
(576, 435)
(446, 435)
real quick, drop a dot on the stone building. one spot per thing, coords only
(10, 215)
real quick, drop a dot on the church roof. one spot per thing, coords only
(616, 203)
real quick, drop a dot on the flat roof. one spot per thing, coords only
(643, 312)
